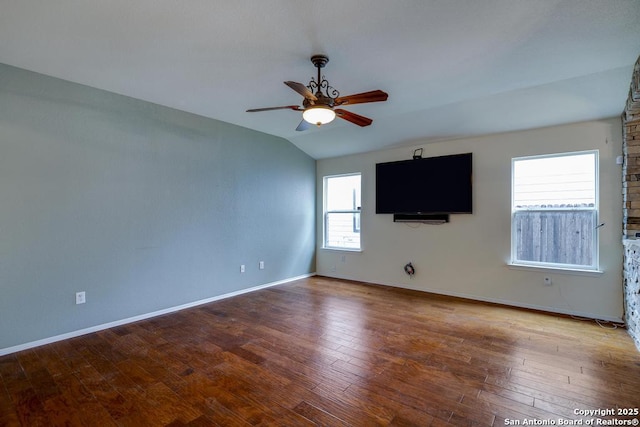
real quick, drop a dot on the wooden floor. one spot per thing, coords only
(326, 352)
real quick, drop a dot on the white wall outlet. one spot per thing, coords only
(261, 265)
(547, 281)
(81, 297)
(343, 258)
(242, 268)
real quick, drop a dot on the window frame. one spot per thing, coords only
(357, 221)
(595, 249)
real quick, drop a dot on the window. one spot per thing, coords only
(342, 212)
(555, 211)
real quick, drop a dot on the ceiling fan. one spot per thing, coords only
(319, 108)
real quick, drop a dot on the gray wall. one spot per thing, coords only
(141, 206)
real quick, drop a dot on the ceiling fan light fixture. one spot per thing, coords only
(318, 115)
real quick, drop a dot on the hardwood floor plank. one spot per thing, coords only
(507, 394)
(548, 394)
(318, 416)
(409, 417)
(195, 391)
(507, 408)
(105, 393)
(327, 352)
(300, 373)
(341, 409)
(8, 414)
(29, 408)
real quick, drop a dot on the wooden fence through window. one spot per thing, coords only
(562, 236)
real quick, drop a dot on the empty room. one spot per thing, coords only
(297, 213)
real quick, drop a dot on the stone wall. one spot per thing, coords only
(631, 152)
(631, 208)
(631, 178)
(632, 288)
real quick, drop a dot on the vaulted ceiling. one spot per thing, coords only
(452, 68)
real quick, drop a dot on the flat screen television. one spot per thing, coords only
(431, 185)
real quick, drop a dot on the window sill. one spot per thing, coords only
(549, 269)
(340, 249)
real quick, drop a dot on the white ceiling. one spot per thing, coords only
(452, 68)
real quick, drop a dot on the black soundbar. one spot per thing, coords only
(422, 218)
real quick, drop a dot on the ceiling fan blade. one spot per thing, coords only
(286, 107)
(353, 117)
(304, 125)
(302, 90)
(361, 98)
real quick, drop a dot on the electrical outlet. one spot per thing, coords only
(261, 265)
(547, 281)
(81, 297)
(242, 268)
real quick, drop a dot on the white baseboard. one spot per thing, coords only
(505, 302)
(49, 340)
(531, 306)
